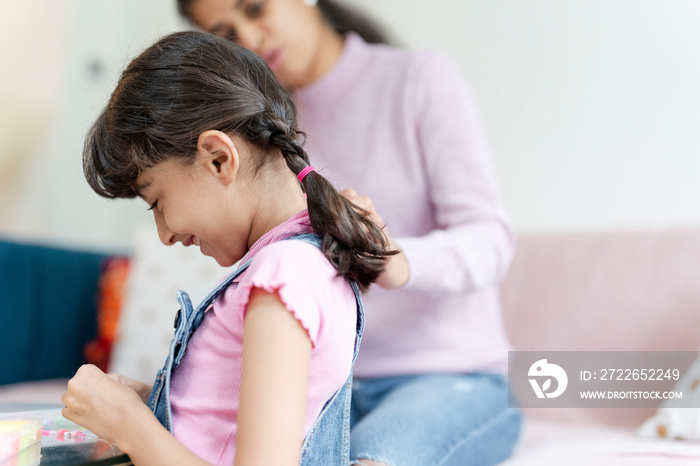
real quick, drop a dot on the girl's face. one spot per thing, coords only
(187, 202)
(289, 35)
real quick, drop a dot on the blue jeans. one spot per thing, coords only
(433, 419)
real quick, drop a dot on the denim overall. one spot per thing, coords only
(328, 440)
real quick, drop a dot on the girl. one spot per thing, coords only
(402, 128)
(201, 130)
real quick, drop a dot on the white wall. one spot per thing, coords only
(29, 90)
(94, 40)
(592, 107)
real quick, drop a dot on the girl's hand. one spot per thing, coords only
(397, 270)
(110, 407)
(101, 404)
(143, 390)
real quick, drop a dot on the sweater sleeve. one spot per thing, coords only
(473, 244)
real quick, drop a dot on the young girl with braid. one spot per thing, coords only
(260, 372)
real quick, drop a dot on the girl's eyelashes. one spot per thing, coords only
(153, 206)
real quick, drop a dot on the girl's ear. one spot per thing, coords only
(217, 151)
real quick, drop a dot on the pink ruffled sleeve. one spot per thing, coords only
(299, 273)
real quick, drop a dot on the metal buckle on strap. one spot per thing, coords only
(177, 317)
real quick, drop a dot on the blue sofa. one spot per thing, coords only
(48, 299)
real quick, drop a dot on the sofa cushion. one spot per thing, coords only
(47, 309)
(604, 291)
(678, 418)
(611, 291)
(547, 443)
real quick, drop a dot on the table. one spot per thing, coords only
(54, 450)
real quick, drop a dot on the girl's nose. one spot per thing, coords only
(167, 237)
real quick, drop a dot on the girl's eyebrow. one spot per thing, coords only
(139, 187)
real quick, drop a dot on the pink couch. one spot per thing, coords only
(621, 291)
(578, 292)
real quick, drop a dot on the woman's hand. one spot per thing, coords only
(102, 404)
(397, 270)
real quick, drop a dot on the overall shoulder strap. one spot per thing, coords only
(206, 302)
(311, 238)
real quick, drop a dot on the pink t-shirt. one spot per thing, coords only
(205, 388)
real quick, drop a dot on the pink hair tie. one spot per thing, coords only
(302, 174)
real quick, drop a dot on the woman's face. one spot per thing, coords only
(287, 34)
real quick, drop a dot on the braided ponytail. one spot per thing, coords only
(352, 242)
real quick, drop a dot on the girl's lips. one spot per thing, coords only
(273, 58)
(190, 241)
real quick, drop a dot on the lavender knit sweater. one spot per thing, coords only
(401, 127)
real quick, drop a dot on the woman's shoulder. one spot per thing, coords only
(412, 65)
(398, 56)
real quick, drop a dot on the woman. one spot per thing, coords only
(401, 129)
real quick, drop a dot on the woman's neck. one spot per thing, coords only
(328, 53)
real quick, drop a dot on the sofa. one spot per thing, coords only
(602, 291)
(47, 306)
(612, 291)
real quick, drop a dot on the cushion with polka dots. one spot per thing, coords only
(678, 419)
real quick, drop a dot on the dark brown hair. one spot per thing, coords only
(190, 82)
(340, 16)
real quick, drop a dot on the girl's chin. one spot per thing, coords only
(224, 262)
(203, 250)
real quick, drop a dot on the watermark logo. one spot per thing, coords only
(547, 371)
(604, 379)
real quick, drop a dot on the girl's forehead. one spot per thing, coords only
(142, 184)
(163, 172)
(149, 175)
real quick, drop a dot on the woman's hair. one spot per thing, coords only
(346, 19)
(191, 82)
(341, 17)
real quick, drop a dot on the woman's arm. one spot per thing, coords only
(116, 412)
(396, 270)
(276, 358)
(472, 245)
